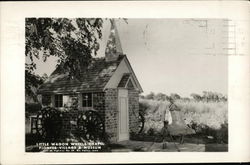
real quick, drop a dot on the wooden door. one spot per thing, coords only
(123, 126)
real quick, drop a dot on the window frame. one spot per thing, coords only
(46, 100)
(58, 101)
(86, 100)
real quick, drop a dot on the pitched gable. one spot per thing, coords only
(123, 69)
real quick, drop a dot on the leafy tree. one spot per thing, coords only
(150, 96)
(45, 77)
(196, 97)
(32, 82)
(185, 99)
(141, 96)
(73, 41)
(168, 98)
(223, 98)
(175, 96)
(160, 96)
(205, 96)
(213, 96)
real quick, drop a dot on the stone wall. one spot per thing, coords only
(99, 103)
(69, 123)
(133, 96)
(111, 114)
(106, 103)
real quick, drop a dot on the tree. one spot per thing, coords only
(185, 99)
(141, 96)
(45, 77)
(175, 96)
(32, 82)
(196, 97)
(213, 96)
(160, 96)
(168, 98)
(73, 41)
(205, 96)
(224, 98)
(150, 96)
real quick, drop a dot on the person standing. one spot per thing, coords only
(167, 120)
(178, 126)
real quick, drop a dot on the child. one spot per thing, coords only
(178, 126)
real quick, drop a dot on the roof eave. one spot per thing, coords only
(70, 91)
(133, 73)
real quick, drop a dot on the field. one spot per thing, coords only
(208, 119)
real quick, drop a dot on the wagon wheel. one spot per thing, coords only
(91, 125)
(40, 122)
(49, 123)
(39, 125)
(141, 122)
(81, 125)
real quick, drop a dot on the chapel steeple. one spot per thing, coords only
(113, 48)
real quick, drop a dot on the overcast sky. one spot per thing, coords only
(181, 56)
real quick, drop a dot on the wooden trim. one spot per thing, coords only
(119, 113)
(70, 92)
(92, 100)
(133, 73)
(132, 81)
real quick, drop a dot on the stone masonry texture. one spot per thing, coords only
(111, 114)
(106, 104)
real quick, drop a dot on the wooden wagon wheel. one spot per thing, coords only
(81, 125)
(39, 125)
(141, 122)
(91, 125)
(40, 129)
(49, 123)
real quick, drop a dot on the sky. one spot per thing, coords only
(180, 56)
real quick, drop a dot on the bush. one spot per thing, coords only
(218, 135)
(151, 132)
(32, 108)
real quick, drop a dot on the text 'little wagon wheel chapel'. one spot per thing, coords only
(105, 97)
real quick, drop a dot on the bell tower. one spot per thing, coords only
(113, 48)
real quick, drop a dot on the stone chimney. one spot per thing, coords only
(113, 48)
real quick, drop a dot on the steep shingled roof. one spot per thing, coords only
(95, 78)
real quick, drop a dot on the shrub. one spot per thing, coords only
(151, 132)
(32, 108)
